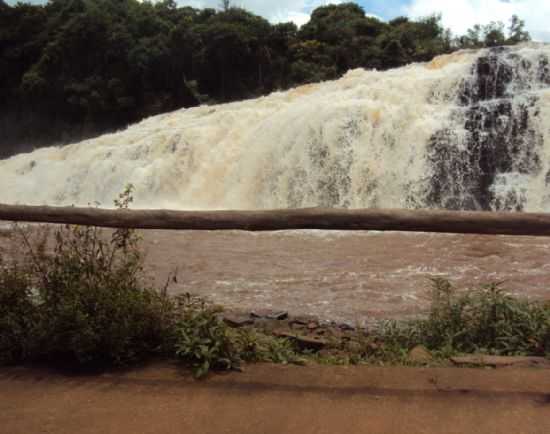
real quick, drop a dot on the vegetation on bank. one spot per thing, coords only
(77, 297)
(484, 320)
(74, 68)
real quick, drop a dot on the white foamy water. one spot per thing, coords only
(366, 140)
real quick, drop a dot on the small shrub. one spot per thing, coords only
(18, 314)
(202, 339)
(486, 320)
(92, 309)
(254, 346)
(205, 342)
(391, 342)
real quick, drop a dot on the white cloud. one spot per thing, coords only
(459, 15)
(298, 18)
(296, 11)
(378, 17)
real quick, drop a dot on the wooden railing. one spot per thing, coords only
(275, 220)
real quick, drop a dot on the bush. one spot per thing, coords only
(84, 305)
(89, 307)
(18, 314)
(202, 339)
(255, 346)
(486, 320)
(205, 342)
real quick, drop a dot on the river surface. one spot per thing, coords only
(356, 277)
(343, 276)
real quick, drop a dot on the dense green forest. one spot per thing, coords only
(75, 68)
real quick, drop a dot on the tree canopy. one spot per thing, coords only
(494, 34)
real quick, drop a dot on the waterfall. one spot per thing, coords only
(469, 130)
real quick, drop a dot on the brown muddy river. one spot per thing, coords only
(343, 276)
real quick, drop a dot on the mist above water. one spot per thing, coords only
(470, 130)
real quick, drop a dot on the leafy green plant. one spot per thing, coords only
(18, 314)
(202, 339)
(92, 307)
(255, 346)
(205, 342)
(485, 320)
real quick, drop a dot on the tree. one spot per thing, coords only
(517, 32)
(493, 34)
(473, 38)
(345, 32)
(225, 5)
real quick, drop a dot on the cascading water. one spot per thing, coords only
(492, 155)
(470, 130)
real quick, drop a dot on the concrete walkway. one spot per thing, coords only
(268, 399)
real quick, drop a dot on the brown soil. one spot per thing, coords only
(269, 399)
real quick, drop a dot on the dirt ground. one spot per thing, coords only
(268, 399)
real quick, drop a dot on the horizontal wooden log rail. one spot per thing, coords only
(459, 222)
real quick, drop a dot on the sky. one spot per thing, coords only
(458, 15)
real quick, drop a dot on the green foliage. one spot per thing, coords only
(78, 299)
(18, 314)
(202, 339)
(255, 346)
(83, 304)
(517, 32)
(493, 34)
(486, 320)
(206, 343)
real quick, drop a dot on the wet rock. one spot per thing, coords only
(303, 320)
(236, 320)
(346, 326)
(471, 171)
(269, 314)
(420, 354)
(501, 361)
(314, 343)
